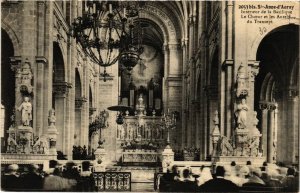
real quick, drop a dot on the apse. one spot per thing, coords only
(146, 77)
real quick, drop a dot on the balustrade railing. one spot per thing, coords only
(112, 181)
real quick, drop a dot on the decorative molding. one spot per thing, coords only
(164, 17)
(79, 102)
(92, 110)
(41, 59)
(253, 69)
(227, 63)
(23, 75)
(15, 62)
(264, 105)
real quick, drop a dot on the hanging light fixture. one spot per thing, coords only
(105, 32)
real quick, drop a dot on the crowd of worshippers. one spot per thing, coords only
(55, 179)
(231, 178)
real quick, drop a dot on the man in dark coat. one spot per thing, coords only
(10, 180)
(219, 184)
(32, 181)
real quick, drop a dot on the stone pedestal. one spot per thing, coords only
(241, 141)
(100, 160)
(52, 134)
(167, 158)
(25, 134)
(11, 141)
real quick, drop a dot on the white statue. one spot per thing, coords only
(52, 118)
(241, 114)
(26, 110)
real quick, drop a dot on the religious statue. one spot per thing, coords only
(241, 114)
(254, 146)
(52, 118)
(254, 130)
(224, 147)
(26, 110)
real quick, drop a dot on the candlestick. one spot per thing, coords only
(124, 12)
(94, 8)
(110, 8)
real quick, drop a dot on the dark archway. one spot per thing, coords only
(59, 96)
(77, 85)
(7, 81)
(78, 108)
(276, 93)
(212, 92)
(58, 68)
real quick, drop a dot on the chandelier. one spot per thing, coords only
(109, 32)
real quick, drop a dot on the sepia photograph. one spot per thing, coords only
(149, 96)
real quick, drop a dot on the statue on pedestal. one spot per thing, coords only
(52, 118)
(26, 111)
(241, 114)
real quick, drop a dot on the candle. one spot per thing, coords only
(94, 7)
(124, 12)
(110, 8)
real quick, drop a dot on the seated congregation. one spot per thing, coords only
(32, 178)
(231, 178)
(228, 178)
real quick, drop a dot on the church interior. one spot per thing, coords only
(134, 89)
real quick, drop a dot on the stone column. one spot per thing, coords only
(41, 101)
(264, 126)
(174, 65)
(184, 106)
(166, 71)
(173, 86)
(15, 63)
(61, 90)
(271, 116)
(292, 124)
(197, 127)
(191, 36)
(79, 116)
(167, 158)
(228, 108)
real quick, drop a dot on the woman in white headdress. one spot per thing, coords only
(205, 176)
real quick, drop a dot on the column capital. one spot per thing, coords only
(191, 19)
(292, 92)
(41, 59)
(79, 102)
(61, 88)
(265, 105)
(165, 48)
(92, 110)
(15, 62)
(253, 69)
(174, 46)
(227, 63)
